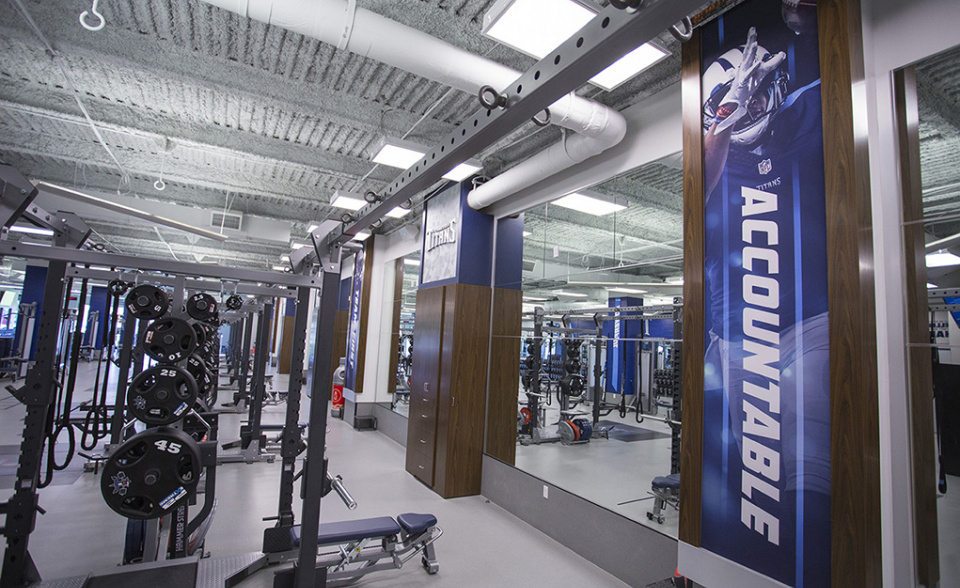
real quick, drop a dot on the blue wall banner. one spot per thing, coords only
(353, 324)
(766, 423)
(621, 366)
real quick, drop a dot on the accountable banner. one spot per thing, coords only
(766, 449)
(353, 324)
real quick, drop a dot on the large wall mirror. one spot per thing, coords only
(597, 388)
(406, 282)
(929, 109)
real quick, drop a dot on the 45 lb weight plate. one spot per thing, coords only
(151, 474)
(169, 339)
(147, 302)
(162, 394)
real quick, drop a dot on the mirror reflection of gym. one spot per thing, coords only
(597, 393)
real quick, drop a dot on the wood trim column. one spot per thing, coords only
(926, 540)
(855, 451)
(395, 325)
(691, 441)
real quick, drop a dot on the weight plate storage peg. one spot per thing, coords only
(147, 302)
(202, 307)
(118, 287)
(151, 474)
(162, 394)
(169, 339)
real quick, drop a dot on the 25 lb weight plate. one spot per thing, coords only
(147, 302)
(151, 474)
(162, 394)
(202, 307)
(169, 339)
(201, 373)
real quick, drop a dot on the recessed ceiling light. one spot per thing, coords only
(31, 230)
(929, 285)
(411, 261)
(285, 257)
(629, 66)
(535, 299)
(535, 27)
(398, 212)
(527, 233)
(588, 204)
(571, 294)
(279, 268)
(678, 279)
(296, 246)
(361, 236)
(399, 153)
(463, 171)
(941, 259)
(348, 200)
(627, 290)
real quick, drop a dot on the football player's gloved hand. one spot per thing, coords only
(750, 73)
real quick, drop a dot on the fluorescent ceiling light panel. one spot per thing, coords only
(348, 200)
(629, 66)
(571, 294)
(398, 212)
(941, 259)
(411, 261)
(929, 285)
(679, 279)
(535, 299)
(285, 257)
(527, 233)
(279, 268)
(535, 27)
(296, 246)
(31, 230)
(588, 204)
(399, 153)
(627, 290)
(361, 236)
(463, 171)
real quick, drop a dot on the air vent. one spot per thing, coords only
(228, 220)
(529, 264)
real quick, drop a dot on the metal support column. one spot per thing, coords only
(291, 443)
(38, 395)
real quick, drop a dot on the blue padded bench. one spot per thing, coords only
(346, 531)
(671, 482)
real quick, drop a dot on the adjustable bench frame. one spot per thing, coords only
(359, 553)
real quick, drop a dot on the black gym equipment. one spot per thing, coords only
(162, 394)
(202, 307)
(150, 474)
(147, 302)
(234, 302)
(169, 339)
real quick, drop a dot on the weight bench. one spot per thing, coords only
(360, 544)
(665, 490)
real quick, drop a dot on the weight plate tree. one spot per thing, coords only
(151, 474)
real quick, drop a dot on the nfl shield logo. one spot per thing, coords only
(765, 167)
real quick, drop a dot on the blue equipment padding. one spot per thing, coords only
(671, 482)
(346, 531)
(414, 523)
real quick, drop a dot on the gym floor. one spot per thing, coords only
(483, 545)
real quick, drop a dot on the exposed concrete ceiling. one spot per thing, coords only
(266, 123)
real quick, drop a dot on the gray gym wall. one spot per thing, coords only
(636, 554)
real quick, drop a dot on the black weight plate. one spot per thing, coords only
(201, 333)
(118, 287)
(202, 307)
(169, 339)
(234, 302)
(198, 369)
(162, 394)
(147, 302)
(151, 474)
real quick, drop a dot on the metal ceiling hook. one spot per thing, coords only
(93, 11)
(686, 33)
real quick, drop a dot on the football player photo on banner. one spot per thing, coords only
(766, 449)
(353, 322)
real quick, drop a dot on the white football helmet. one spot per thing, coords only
(717, 81)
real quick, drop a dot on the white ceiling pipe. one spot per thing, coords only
(371, 35)
(570, 150)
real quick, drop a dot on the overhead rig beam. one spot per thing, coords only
(610, 35)
(17, 196)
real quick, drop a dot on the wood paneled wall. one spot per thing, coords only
(854, 411)
(691, 440)
(926, 540)
(504, 375)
